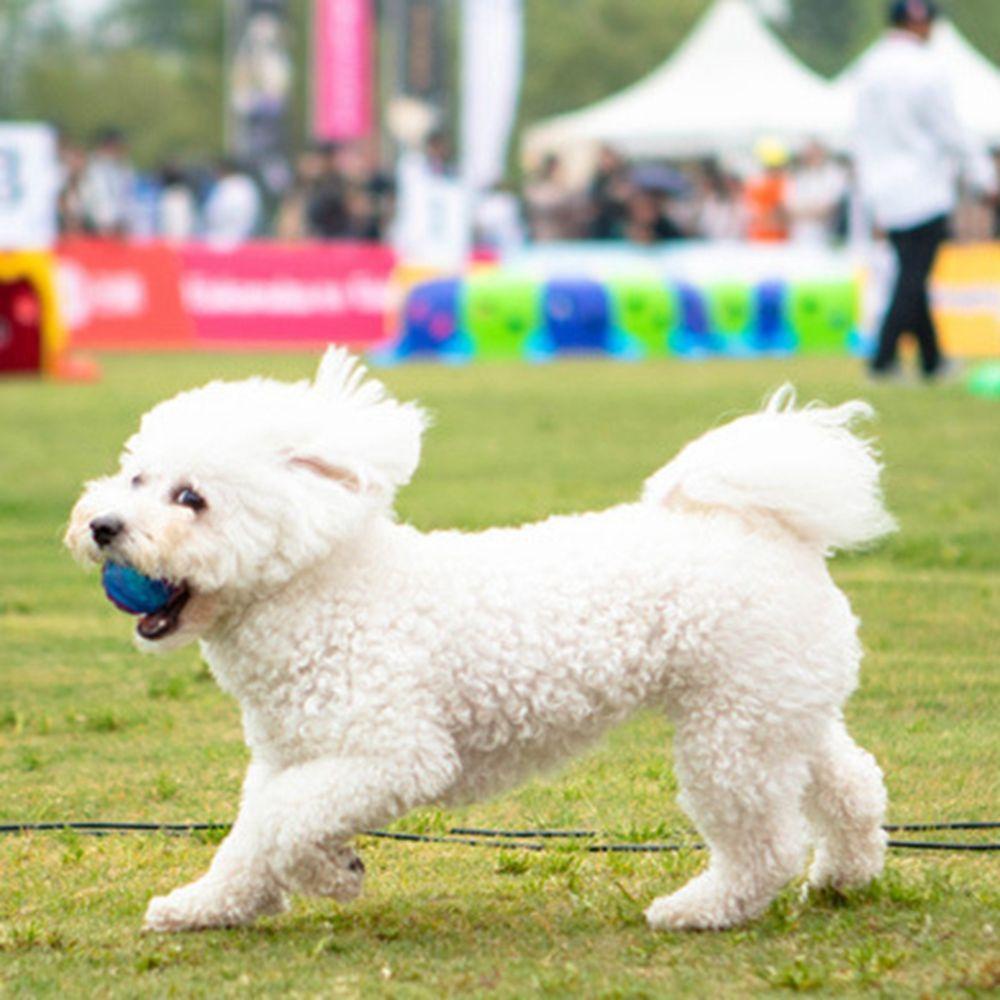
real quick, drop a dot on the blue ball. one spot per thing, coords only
(130, 591)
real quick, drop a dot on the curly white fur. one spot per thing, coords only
(379, 668)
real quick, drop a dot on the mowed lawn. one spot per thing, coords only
(90, 729)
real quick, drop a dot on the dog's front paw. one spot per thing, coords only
(201, 906)
(165, 914)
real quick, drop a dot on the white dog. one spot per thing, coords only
(379, 669)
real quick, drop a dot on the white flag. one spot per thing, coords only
(492, 33)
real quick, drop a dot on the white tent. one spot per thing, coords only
(728, 84)
(975, 81)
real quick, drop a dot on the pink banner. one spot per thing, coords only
(342, 69)
(284, 295)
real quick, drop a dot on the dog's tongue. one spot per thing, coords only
(159, 623)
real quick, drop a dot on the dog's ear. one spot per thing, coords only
(370, 443)
(347, 478)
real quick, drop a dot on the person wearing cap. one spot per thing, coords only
(909, 152)
(765, 194)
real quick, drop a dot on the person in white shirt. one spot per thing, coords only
(176, 209)
(232, 210)
(497, 221)
(909, 152)
(816, 190)
(107, 184)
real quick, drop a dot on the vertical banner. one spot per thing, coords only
(342, 69)
(421, 50)
(492, 32)
(29, 185)
(258, 88)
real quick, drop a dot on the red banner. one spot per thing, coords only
(115, 295)
(342, 69)
(263, 295)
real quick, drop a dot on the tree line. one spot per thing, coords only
(156, 69)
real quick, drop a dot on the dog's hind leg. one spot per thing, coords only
(845, 803)
(742, 781)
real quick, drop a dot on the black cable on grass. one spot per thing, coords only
(889, 828)
(941, 845)
(963, 825)
(525, 840)
(111, 826)
(522, 845)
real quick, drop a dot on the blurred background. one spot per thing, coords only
(356, 167)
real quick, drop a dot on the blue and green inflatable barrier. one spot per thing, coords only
(499, 315)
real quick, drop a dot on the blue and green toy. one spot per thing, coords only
(130, 591)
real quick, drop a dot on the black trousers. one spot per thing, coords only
(909, 311)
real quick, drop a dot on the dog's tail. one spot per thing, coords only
(802, 467)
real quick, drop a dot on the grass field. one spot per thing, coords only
(89, 729)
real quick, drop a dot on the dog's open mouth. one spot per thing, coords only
(159, 624)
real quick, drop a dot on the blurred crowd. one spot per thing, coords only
(342, 191)
(807, 197)
(337, 192)
(102, 194)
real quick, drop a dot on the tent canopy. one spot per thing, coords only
(975, 81)
(729, 83)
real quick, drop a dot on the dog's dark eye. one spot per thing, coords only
(187, 497)
(137, 481)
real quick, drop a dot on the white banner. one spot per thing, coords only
(29, 186)
(492, 36)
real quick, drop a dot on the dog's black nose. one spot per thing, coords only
(357, 865)
(106, 528)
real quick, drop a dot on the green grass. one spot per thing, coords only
(90, 729)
